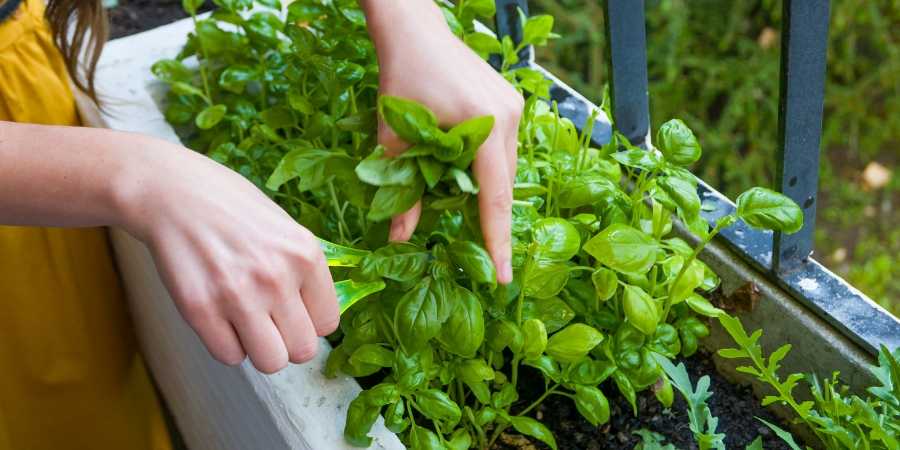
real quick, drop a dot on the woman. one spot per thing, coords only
(245, 276)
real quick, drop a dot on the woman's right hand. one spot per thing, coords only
(245, 276)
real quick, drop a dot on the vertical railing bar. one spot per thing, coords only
(626, 32)
(509, 23)
(802, 93)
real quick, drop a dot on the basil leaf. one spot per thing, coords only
(459, 440)
(767, 209)
(398, 261)
(641, 159)
(592, 404)
(474, 260)
(623, 249)
(683, 193)
(472, 133)
(437, 406)
(483, 44)
(545, 279)
(640, 309)
(533, 428)
(535, 338)
(431, 169)
(587, 189)
(349, 292)
(308, 165)
(419, 315)
(390, 201)
(395, 417)
(537, 30)
(340, 256)
(552, 312)
(379, 170)
(556, 239)
(606, 283)
(372, 354)
(677, 143)
(463, 332)
(424, 439)
(411, 121)
(235, 78)
(573, 342)
(463, 181)
(360, 418)
(171, 70)
(210, 116)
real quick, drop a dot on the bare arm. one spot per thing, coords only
(244, 275)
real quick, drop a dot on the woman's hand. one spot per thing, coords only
(245, 276)
(420, 59)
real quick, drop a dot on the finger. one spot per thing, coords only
(512, 148)
(320, 299)
(392, 143)
(495, 203)
(262, 342)
(297, 330)
(219, 337)
(404, 225)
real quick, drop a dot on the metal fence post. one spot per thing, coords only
(626, 32)
(804, 49)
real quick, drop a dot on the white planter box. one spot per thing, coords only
(215, 406)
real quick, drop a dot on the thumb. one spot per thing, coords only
(392, 143)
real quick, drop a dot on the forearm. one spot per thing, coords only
(67, 176)
(400, 19)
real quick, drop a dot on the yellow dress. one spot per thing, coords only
(71, 377)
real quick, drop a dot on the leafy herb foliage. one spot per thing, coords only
(599, 285)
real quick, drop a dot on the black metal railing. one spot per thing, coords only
(785, 258)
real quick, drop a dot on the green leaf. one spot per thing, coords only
(395, 417)
(424, 439)
(592, 404)
(702, 306)
(235, 78)
(623, 249)
(556, 239)
(546, 365)
(398, 261)
(379, 170)
(683, 193)
(474, 260)
(340, 256)
(573, 342)
(463, 181)
(606, 283)
(766, 209)
(591, 372)
(459, 440)
(349, 292)
(171, 70)
(472, 133)
(641, 159)
(437, 406)
(483, 44)
(360, 418)
(664, 393)
(409, 119)
(308, 165)
(210, 116)
(421, 312)
(502, 334)
(545, 279)
(533, 428)
(552, 312)
(626, 388)
(278, 117)
(587, 189)
(464, 331)
(640, 309)
(537, 30)
(677, 143)
(390, 201)
(431, 169)
(372, 354)
(191, 6)
(535, 338)
(783, 434)
(480, 8)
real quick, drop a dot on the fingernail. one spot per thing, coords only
(504, 272)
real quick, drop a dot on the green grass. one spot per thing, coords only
(715, 64)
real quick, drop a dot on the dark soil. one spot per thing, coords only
(734, 405)
(134, 16)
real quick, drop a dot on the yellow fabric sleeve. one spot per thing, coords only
(71, 376)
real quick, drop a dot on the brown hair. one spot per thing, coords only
(79, 27)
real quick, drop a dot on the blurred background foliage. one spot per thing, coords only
(715, 64)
